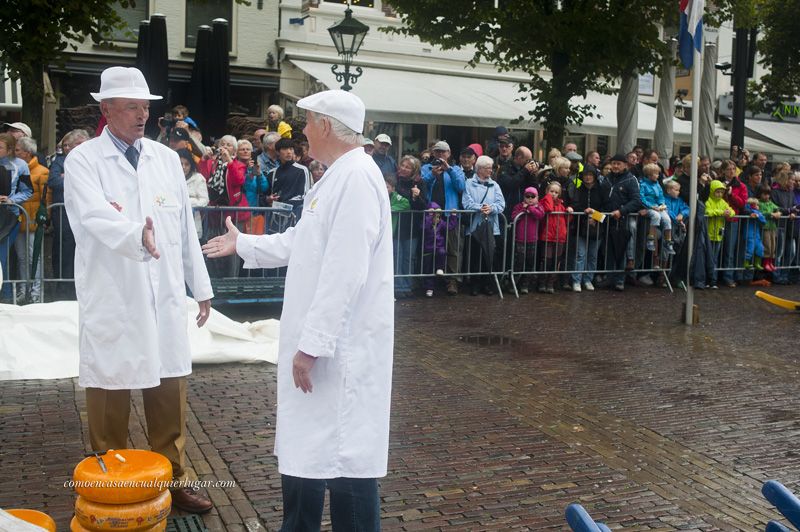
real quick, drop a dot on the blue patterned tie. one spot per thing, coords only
(132, 154)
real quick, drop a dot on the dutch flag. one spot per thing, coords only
(691, 29)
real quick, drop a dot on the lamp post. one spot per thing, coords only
(347, 36)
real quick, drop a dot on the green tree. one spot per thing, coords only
(566, 47)
(38, 32)
(779, 48)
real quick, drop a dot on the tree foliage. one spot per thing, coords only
(566, 47)
(779, 47)
(38, 32)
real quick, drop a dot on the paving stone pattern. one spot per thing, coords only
(503, 413)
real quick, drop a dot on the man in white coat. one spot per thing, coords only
(136, 250)
(337, 326)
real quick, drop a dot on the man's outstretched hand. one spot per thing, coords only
(222, 245)
(149, 238)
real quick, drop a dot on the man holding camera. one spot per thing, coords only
(445, 185)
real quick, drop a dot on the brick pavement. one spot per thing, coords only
(600, 398)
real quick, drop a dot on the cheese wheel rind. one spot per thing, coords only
(137, 516)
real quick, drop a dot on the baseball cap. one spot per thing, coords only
(368, 142)
(383, 137)
(344, 106)
(573, 156)
(441, 146)
(21, 126)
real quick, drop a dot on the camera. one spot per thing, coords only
(167, 121)
(437, 162)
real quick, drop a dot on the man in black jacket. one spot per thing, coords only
(623, 199)
(289, 182)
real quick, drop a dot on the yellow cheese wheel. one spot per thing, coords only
(35, 518)
(135, 516)
(75, 526)
(140, 477)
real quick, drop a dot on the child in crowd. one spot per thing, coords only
(653, 199)
(717, 210)
(397, 204)
(434, 244)
(677, 209)
(753, 247)
(553, 232)
(526, 214)
(769, 234)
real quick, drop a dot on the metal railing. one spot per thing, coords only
(446, 245)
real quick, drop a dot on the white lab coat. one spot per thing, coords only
(338, 306)
(132, 309)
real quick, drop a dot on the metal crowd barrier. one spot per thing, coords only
(424, 254)
(9, 292)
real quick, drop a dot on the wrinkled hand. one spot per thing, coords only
(222, 245)
(149, 238)
(301, 371)
(205, 312)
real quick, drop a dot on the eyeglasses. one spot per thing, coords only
(529, 196)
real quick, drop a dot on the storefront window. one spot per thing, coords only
(203, 12)
(132, 16)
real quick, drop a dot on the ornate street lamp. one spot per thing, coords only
(347, 36)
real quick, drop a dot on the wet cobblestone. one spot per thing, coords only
(601, 398)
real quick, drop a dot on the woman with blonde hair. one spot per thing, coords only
(275, 122)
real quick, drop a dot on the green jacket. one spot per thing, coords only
(397, 203)
(767, 208)
(714, 212)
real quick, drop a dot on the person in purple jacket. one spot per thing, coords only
(434, 244)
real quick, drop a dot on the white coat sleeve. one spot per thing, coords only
(88, 209)
(194, 265)
(266, 251)
(354, 226)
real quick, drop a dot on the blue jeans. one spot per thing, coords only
(5, 248)
(784, 255)
(733, 251)
(354, 502)
(403, 260)
(586, 259)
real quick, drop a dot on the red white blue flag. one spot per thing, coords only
(691, 35)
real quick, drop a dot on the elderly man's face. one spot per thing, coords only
(761, 160)
(618, 167)
(467, 160)
(16, 133)
(257, 140)
(442, 154)
(522, 156)
(126, 117)
(594, 159)
(382, 147)
(632, 159)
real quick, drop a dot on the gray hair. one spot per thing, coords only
(229, 139)
(339, 130)
(270, 138)
(483, 161)
(74, 135)
(243, 142)
(27, 144)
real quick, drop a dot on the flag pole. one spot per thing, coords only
(697, 74)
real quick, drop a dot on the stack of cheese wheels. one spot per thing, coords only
(35, 518)
(132, 495)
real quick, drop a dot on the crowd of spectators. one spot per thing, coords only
(569, 222)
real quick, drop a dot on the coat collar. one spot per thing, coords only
(109, 149)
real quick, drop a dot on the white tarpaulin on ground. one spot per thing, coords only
(41, 341)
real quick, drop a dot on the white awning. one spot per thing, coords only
(786, 133)
(775, 152)
(413, 97)
(10, 94)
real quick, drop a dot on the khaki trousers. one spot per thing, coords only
(164, 410)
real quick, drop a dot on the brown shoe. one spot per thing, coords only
(191, 501)
(452, 287)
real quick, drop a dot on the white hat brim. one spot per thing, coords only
(125, 92)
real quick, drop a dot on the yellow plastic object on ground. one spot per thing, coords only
(129, 517)
(34, 517)
(139, 476)
(779, 301)
(75, 526)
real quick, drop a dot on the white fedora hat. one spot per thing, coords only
(122, 82)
